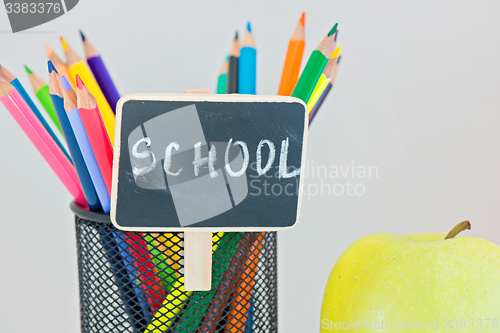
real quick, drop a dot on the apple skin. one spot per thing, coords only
(414, 278)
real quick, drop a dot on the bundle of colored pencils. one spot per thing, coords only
(80, 100)
(238, 72)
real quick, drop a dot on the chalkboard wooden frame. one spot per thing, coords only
(196, 98)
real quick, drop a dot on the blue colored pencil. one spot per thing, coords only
(8, 76)
(133, 275)
(118, 261)
(55, 90)
(83, 142)
(247, 64)
(116, 257)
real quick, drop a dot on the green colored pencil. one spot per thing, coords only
(222, 80)
(165, 272)
(41, 90)
(315, 66)
(178, 298)
(200, 301)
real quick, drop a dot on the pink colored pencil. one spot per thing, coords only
(35, 131)
(96, 131)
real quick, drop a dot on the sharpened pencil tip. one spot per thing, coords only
(28, 70)
(83, 36)
(334, 29)
(338, 60)
(336, 53)
(63, 43)
(52, 68)
(79, 82)
(65, 83)
(336, 35)
(249, 27)
(303, 19)
(48, 49)
(236, 36)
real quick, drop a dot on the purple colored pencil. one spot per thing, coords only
(320, 101)
(101, 73)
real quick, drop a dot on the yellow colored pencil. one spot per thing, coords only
(76, 66)
(324, 79)
(175, 301)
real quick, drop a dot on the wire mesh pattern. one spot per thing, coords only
(133, 282)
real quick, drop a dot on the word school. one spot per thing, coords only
(200, 161)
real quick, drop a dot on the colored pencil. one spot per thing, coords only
(227, 247)
(317, 107)
(324, 79)
(315, 66)
(247, 64)
(293, 59)
(70, 105)
(177, 300)
(9, 77)
(101, 73)
(165, 272)
(240, 307)
(249, 322)
(164, 243)
(115, 247)
(41, 90)
(133, 273)
(126, 284)
(60, 66)
(222, 298)
(56, 96)
(147, 273)
(232, 72)
(222, 79)
(35, 131)
(96, 131)
(77, 66)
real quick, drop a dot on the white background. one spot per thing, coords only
(417, 96)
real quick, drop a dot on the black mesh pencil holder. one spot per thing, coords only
(133, 282)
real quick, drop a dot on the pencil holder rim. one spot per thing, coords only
(88, 215)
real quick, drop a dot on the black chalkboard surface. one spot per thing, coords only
(208, 162)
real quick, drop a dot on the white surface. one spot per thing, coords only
(416, 96)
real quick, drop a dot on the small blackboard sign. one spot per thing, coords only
(208, 162)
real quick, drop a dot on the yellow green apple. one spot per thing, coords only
(415, 283)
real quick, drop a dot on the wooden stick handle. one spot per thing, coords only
(197, 249)
(197, 261)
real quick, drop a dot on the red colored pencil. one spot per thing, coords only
(152, 286)
(96, 131)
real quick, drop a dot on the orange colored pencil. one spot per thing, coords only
(240, 306)
(293, 59)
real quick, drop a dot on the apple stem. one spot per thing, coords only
(458, 228)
